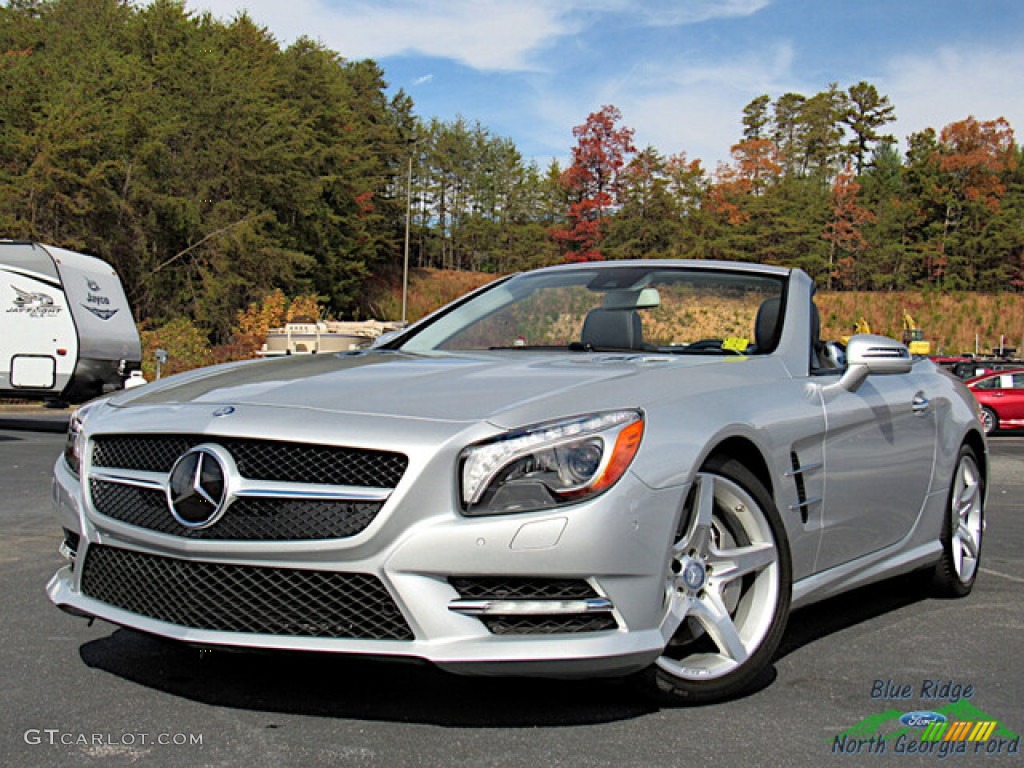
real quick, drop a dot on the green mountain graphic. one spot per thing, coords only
(887, 725)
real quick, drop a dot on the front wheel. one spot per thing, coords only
(727, 589)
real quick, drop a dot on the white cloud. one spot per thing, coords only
(660, 13)
(491, 35)
(932, 91)
(697, 108)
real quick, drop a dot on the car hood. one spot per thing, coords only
(469, 387)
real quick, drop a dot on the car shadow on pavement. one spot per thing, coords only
(326, 685)
(851, 608)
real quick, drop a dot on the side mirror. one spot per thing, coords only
(875, 355)
(879, 353)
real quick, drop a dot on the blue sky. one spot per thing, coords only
(680, 71)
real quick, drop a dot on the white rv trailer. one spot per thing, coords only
(67, 331)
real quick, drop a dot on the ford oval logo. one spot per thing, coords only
(922, 719)
(227, 410)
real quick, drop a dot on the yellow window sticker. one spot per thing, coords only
(736, 344)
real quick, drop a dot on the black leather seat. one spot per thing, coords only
(766, 324)
(613, 329)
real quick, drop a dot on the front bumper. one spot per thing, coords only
(616, 545)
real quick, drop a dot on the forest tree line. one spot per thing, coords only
(213, 166)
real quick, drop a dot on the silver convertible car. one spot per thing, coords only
(620, 468)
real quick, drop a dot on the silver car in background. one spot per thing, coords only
(624, 468)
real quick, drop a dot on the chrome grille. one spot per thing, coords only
(252, 519)
(269, 514)
(243, 598)
(257, 459)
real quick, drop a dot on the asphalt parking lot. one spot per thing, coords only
(80, 695)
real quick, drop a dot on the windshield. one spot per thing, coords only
(613, 308)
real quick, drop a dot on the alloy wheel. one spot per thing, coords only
(723, 586)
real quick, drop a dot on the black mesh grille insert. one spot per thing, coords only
(248, 519)
(243, 598)
(154, 454)
(510, 588)
(257, 459)
(549, 625)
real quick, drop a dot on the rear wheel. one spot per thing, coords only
(989, 420)
(962, 528)
(727, 589)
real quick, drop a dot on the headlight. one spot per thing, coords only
(549, 464)
(74, 445)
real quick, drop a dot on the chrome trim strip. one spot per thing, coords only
(805, 504)
(309, 492)
(530, 607)
(154, 481)
(804, 468)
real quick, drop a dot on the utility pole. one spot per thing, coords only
(408, 225)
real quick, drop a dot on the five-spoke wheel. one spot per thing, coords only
(727, 588)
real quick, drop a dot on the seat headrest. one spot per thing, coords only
(766, 325)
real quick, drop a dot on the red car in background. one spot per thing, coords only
(1001, 395)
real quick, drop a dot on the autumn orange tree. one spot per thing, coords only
(972, 159)
(844, 231)
(592, 183)
(274, 309)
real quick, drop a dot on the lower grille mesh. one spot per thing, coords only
(511, 588)
(549, 625)
(243, 598)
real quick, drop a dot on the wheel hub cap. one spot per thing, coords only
(692, 574)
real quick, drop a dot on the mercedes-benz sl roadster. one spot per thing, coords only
(632, 468)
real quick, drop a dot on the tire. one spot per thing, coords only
(989, 420)
(962, 527)
(727, 590)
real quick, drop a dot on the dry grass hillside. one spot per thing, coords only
(428, 290)
(953, 322)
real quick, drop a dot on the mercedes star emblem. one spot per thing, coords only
(197, 488)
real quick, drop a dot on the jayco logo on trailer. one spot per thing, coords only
(33, 303)
(96, 303)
